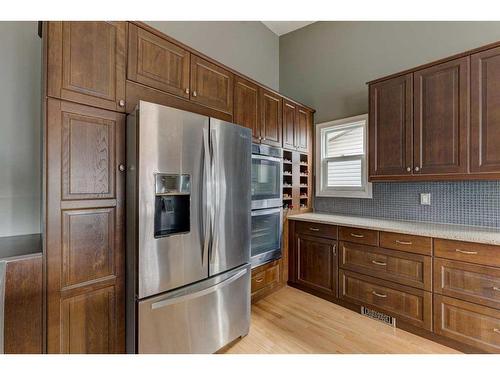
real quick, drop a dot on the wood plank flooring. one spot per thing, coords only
(291, 321)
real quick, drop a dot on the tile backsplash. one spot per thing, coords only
(458, 202)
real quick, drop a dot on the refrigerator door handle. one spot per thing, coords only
(207, 179)
(173, 300)
(215, 192)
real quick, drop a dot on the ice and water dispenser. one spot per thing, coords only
(172, 202)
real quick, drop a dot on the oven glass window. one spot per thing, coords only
(265, 179)
(265, 232)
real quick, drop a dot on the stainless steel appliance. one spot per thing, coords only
(188, 231)
(267, 211)
(267, 169)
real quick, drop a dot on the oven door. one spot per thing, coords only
(266, 182)
(266, 235)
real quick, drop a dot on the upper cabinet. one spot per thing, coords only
(86, 63)
(297, 124)
(303, 129)
(246, 105)
(441, 118)
(391, 127)
(485, 112)
(211, 85)
(271, 117)
(155, 62)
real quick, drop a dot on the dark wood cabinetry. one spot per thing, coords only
(441, 118)
(22, 304)
(86, 63)
(391, 127)
(485, 112)
(271, 117)
(211, 85)
(289, 125)
(155, 62)
(246, 105)
(85, 233)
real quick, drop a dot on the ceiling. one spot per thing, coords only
(284, 27)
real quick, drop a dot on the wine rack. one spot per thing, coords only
(296, 181)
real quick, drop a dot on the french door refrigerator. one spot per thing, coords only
(188, 231)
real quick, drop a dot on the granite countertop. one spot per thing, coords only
(447, 231)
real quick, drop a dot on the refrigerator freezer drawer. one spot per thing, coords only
(200, 318)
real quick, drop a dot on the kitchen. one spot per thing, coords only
(316, 190)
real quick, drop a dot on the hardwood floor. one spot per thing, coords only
(291, 321)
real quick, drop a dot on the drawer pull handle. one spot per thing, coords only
(379, 263)
(466, 252)
(496, 289)
(259, 279)
(403, 242)
(357, 235)
(379, 295)
(314, 229)
(496, 330)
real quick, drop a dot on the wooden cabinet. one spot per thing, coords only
(85, 229)
(441, 118)
(270, 117)
(21, 284)
(359, 235)
(406, 242)
(485, 112)
(265, 279)
(211, 85)
(488, 255)
(155, 62)
(315, 263)
(246, 105)
(297, 123)
(86, 63)
(410, 304)
(391, 127)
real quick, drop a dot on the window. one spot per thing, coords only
(341, 168)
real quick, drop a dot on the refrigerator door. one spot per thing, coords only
(172, 162)
(231, 147)
(200, 318)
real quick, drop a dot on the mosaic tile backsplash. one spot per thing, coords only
(459, 202)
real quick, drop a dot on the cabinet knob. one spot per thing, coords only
(121, 167)
(194, 93)
(187, 91)
(408, 169)
(121, 103)
(417, 169)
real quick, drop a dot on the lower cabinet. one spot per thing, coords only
(265, 279)
(314, 261)
(410, 304)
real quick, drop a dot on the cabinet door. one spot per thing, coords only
(391, 127)
(84, 230)
(157, 63)
(289, 124)
(303, 127)
(246, 105)
(271, 118)
(485, 111)
(211, 85)
(316, 263)
(86, 63)
(441, 102)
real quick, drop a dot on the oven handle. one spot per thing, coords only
(270, 158)
(267, 211)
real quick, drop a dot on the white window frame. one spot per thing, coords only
(365, 191)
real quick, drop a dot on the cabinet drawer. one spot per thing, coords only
(265, 275)
(364, 236)
(404, 268)
(258, 281)
(466, 322)
(468, 252)
(470, 282)
(406, 242)
(408, 304)
(315, 229)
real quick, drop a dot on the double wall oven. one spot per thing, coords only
(267, 211)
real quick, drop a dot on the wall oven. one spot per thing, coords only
(266, 235)
(266, 176)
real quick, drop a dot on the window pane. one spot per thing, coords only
(343, 173)
(344, 142)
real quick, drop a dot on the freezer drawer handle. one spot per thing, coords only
(173, 300)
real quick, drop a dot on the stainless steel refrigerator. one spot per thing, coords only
(188, 231)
